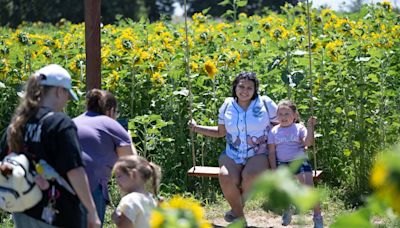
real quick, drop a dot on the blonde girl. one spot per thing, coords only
(132, 173)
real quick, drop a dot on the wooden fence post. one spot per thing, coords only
(92, 44)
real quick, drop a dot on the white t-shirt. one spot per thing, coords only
(247, 131)
(137, 208)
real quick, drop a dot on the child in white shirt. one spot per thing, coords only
(132, 173)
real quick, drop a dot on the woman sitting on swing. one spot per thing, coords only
(245, 119)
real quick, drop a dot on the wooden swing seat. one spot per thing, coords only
(209, 171)
(203, 171)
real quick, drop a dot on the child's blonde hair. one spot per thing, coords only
(146, 169)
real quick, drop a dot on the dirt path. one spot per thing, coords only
(261, 219)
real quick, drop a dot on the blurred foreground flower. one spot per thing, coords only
(281, 190)
(179, 212)
(385, 178)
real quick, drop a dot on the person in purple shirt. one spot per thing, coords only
(103, 140)
(286, 143)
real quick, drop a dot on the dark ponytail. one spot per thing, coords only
(100, 101)
(94, 101)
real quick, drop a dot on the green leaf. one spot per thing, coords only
(154, 117)
(153, 131)
(377, 53)
(357, 144)
(224, 3)
(351, 113)
(205, 11)
(338, 110)
(374, 78)
(302, 107)
(2, 86)
(331, 83)
(360, 218)
(241, 3)
(281, 190)
(369, 120)
(237, 224)
(347, 152)
(229, 13)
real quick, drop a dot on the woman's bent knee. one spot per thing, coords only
(229, 179)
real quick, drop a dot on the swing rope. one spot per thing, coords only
(187, 57)
(311, 81)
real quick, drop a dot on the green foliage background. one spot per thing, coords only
(355, 72)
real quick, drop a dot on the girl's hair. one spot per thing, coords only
(28, 107)
(292, 106)
(100, 101)
(251, 76)
(146, 169)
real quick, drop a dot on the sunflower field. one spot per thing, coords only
(355, 74)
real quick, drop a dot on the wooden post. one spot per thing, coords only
(92, 44)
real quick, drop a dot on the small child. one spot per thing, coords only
(132, 173)
(287, 142)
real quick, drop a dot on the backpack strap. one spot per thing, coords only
(48, 171)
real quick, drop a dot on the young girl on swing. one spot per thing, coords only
(286, 143)
(132, 174)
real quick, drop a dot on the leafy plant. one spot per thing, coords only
(148, 129)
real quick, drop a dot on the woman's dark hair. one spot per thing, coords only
(100, 101)
(251, 76)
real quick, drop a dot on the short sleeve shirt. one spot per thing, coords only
(56, 142)
(99, 136)
(288, 141)
(247, 131)
(137, 208)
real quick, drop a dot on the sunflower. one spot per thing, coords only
(194, 67)
(385, 178)
(210, 69)
(156, 219)
(387, 5)
(157, 78)
(333, 49)
(379, 174)
(179, 212)
(4, 69)
(199, 18)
